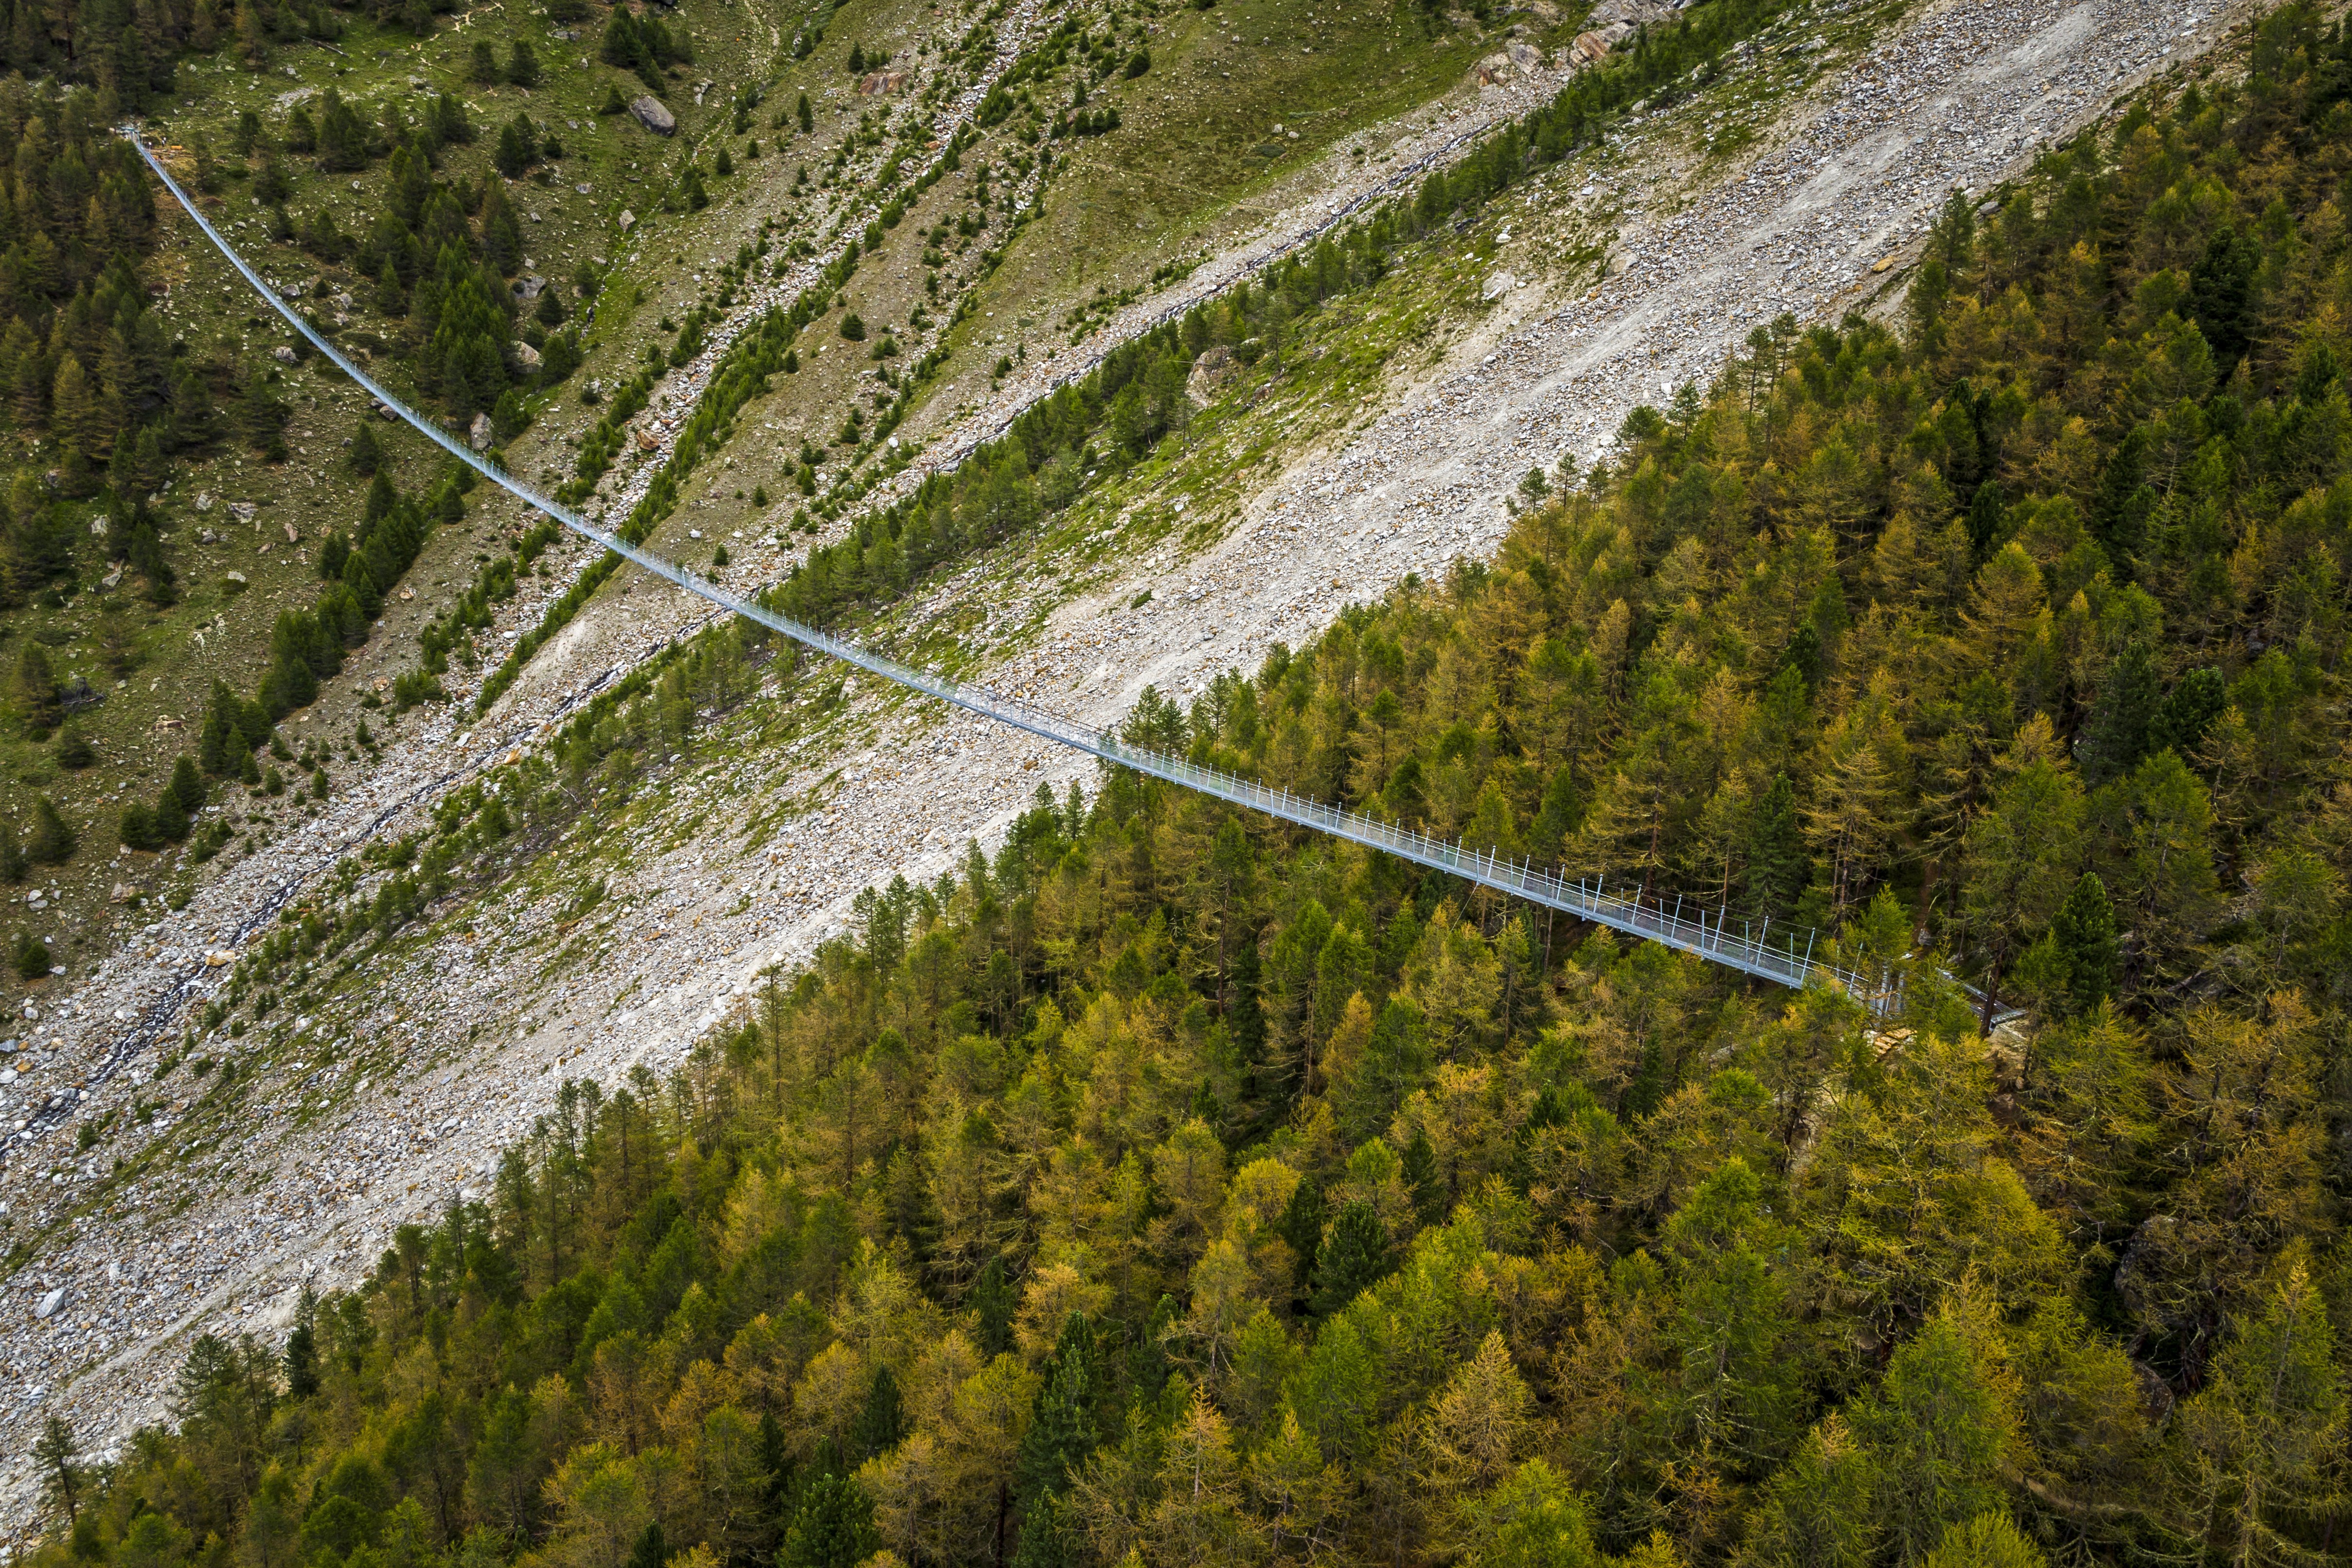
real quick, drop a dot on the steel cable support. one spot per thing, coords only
(1751, 951)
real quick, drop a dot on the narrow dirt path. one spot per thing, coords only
(1958, 95)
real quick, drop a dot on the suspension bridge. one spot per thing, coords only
(1785, 957)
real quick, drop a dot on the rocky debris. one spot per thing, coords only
(1630, 15)
(293, 534)
(654, 115)
(283, 354)
(49, 1304)
(237, 578)
(1515, 57)
(477, 436)
(243, 510)
(204, 500)
(529, 355)
(878, 84)
(529, 287)
(207, 536)
(701, 88)
(1211, 371)
(123, 893)
(1590, 48)
(628, 220)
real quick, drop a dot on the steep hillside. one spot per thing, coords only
(1164, 1187)
(594, 904)
(335, 146)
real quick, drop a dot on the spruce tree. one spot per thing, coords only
(302, 1347)
(1062, 1429)
(651, 1551)
(1421, 1179)
(36, 690)
(1776, 861)
(1353, 1255)
(882, 1423)
(2123, 721)
(187, 786)
(61, 1475)
(992, 1302)
(2083, 931)
(31, 956)
(52, 842)
(833, 1528)
(137, 826)
(366, 454)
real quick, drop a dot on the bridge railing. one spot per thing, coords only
(1752, 951)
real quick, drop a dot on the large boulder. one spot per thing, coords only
(654, 115)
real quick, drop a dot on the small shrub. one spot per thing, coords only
(31, 955)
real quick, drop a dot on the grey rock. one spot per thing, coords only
(478, 437)
(49, 1304)
(654, 115)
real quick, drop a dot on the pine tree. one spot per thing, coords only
(187, 786)
(1778, 866)
(2123, 722)
(992, 1302)
(1062, 1429)
(31, 956)
(2083, 932)
(1935, 1431)
(1987, 1540)
(365, 454)
(2265, 1437)
(33, 689)
(2022, 853)
(301, 1347)
(1422, 1179)
(136, 827)
(52, 843)
(1353, 1256)
(651, 1549)
(882, 1423)
(61, 1473)
(833, 1528)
